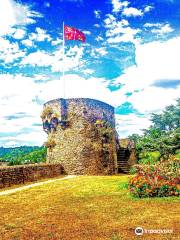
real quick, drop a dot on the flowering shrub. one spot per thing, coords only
(160, 180)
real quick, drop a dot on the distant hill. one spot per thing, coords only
(16, 150)
(23, 154)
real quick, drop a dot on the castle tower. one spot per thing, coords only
(81, 135)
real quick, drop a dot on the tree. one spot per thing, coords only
(169, 119)
(164, 134)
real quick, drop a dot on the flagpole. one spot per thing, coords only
(63, 67)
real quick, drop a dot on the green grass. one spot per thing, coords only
(87, 208)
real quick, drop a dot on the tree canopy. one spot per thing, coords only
(164, 133)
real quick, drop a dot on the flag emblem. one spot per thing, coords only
(71, 33)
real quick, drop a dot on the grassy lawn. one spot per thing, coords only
(87, 208)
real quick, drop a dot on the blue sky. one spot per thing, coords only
(130, 60)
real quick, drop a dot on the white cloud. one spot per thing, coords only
(124, 22)
(72, 59)
(97, 25)
(16, 96)
(40, 35)
(125, 35)
(113, 25)
(97, 14)
(35, 138)
(87, 32)
(119, 31)
(155, 62)
(122, 6)
(159, 28)
(7, 16)
(148, 8)
(17, 93)
(38, 58)
(77, 87)
(153, 99)
(56, 42)
(118, 5)
(88, 71)
(101, 51)
(163, 29)
(27, 43)
(19, 34)
(99, 38)
(110, 21)
(131, 11)
(13, 13)
(131, 123)
(10, 143)
(152, 25)
(9, 51)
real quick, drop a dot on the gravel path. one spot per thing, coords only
(7, 192)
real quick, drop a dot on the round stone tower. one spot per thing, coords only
(81, 135)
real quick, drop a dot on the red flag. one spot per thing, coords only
(73, 34)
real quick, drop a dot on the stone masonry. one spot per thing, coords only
(81, 135)
(28, 173)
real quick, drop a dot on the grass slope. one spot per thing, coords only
(87, 208)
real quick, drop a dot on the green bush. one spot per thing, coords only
(149, 157)
(133, 170)
(15, 162)
(177, 154)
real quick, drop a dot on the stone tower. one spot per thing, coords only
(81, 135)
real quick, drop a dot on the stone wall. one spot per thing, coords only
(84, 138)
(28, 173)
(132, 158)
